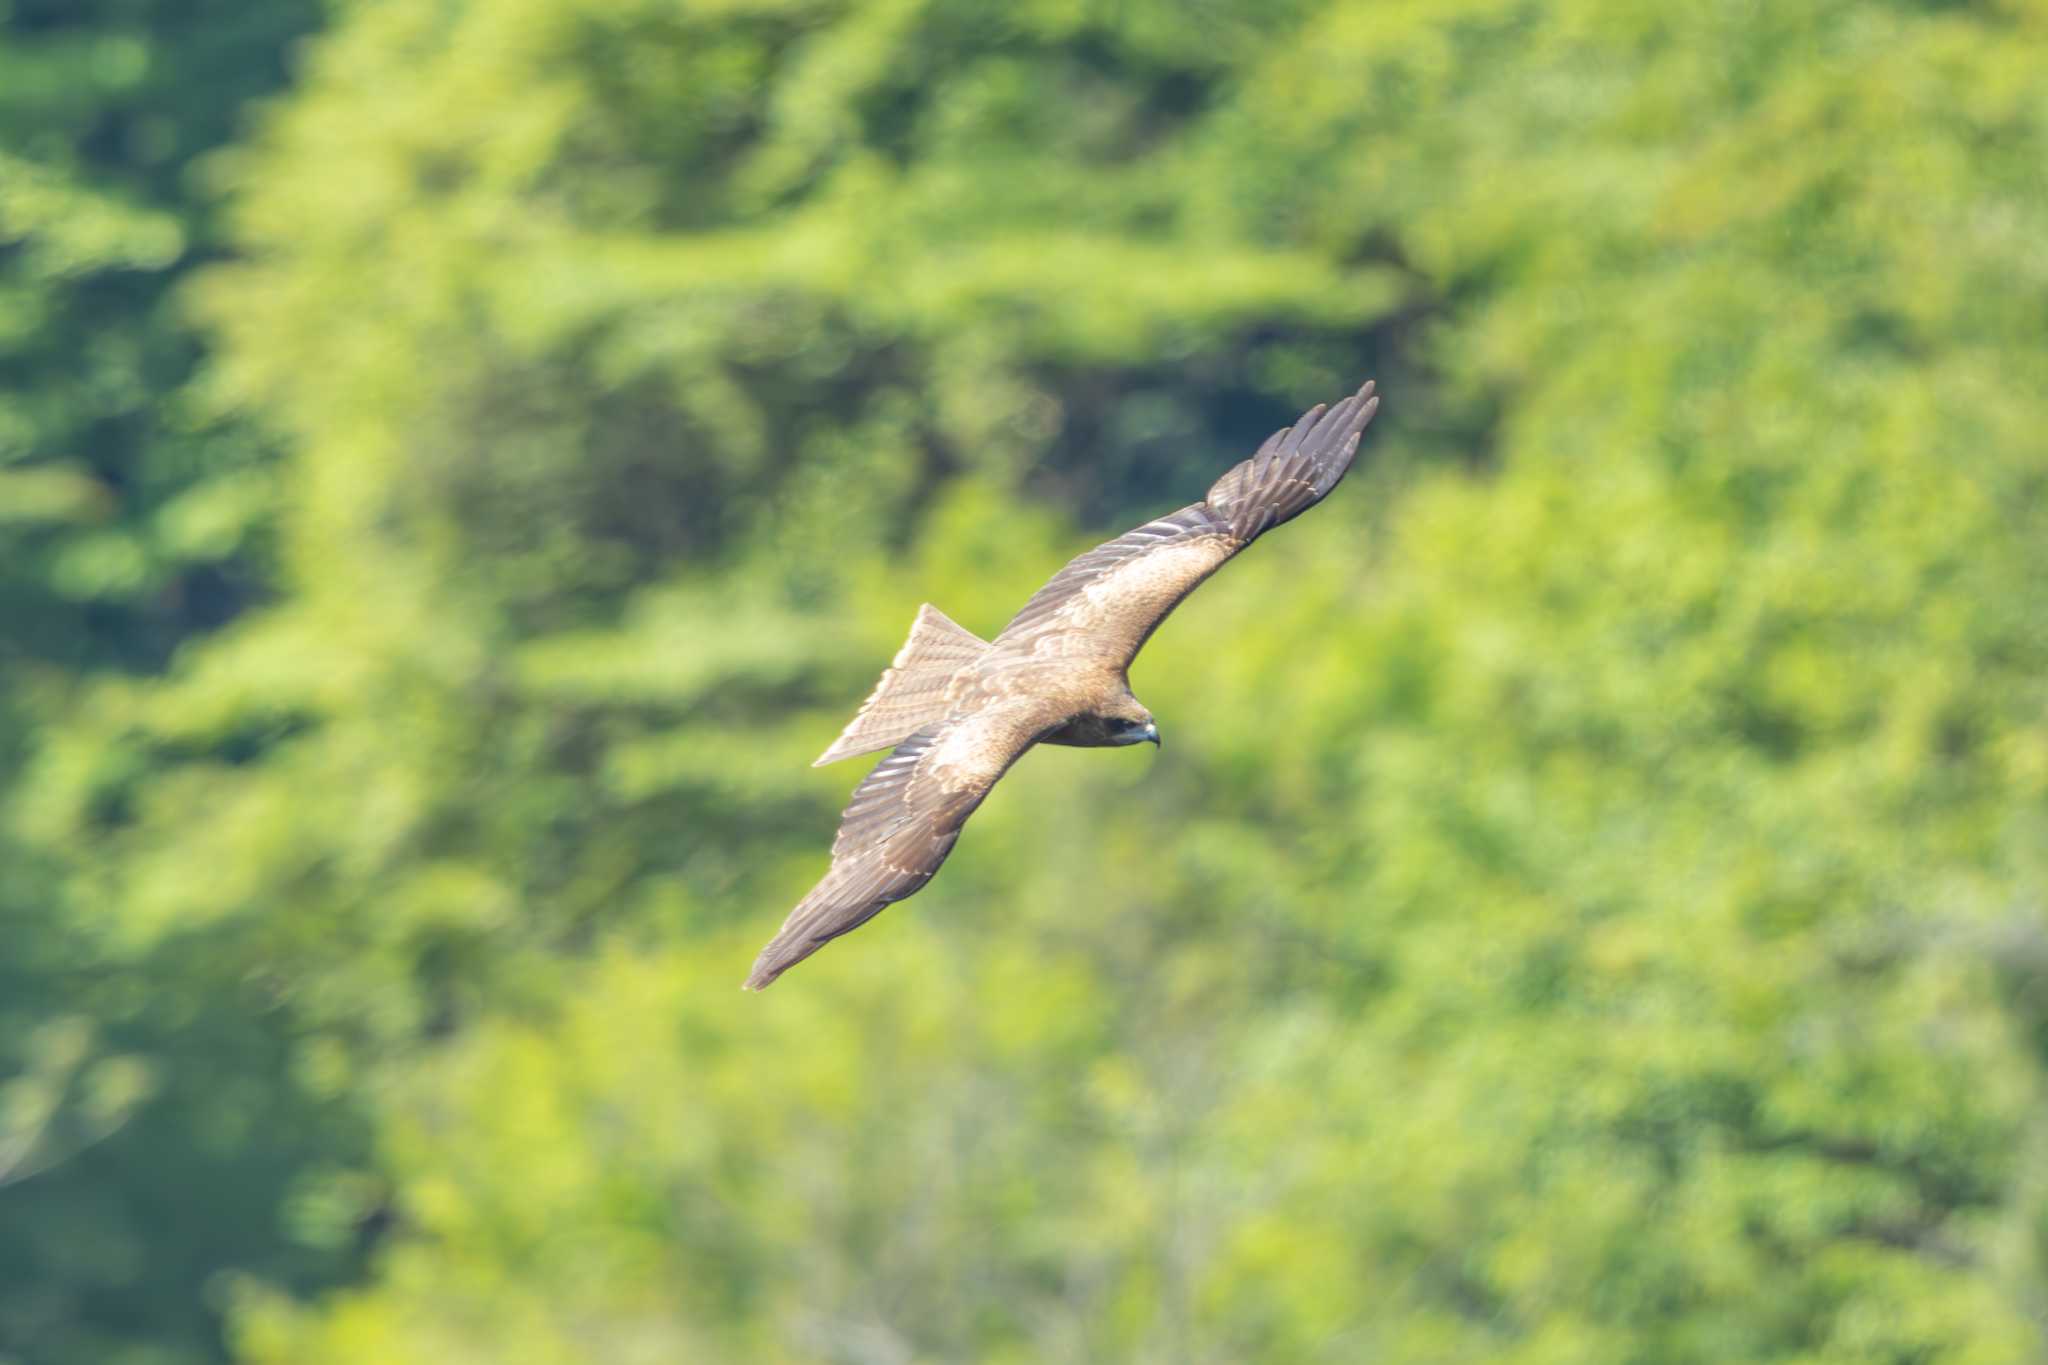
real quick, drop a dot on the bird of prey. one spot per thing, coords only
(959, 710)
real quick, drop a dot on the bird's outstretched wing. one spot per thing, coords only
(902, 822)
(1112, 598)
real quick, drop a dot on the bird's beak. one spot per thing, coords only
(1152, 732)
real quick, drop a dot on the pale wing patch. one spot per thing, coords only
(1066, 644)
(1148, 583)
(975, 754)
(1044, 610)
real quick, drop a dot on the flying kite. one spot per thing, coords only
(960, 710)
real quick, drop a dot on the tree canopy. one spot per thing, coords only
(1589, 904)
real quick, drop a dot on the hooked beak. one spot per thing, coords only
(1152, 732)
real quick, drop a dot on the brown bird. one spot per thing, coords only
(960, 710)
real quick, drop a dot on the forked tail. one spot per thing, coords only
(912, 692)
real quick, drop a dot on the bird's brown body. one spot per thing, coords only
(960, 711)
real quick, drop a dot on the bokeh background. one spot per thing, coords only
(461, 461)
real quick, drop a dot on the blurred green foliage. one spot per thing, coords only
(145, 1138)
(1589, 906)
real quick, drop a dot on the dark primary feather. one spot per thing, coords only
(1295, 469)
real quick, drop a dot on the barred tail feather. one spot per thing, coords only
(912, 692)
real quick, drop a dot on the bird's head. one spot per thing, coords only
(1133, 727)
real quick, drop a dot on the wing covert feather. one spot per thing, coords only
(1121, 590)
